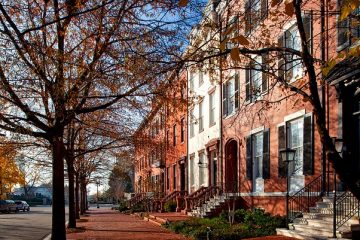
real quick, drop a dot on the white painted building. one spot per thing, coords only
(203, 130)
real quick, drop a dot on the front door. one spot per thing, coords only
(182, 176)
(213, 168)
(231, 175)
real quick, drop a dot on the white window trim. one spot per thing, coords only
(293, 116)
(257, 130)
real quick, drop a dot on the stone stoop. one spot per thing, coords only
(318, 224)
(156, 220)
(209, 207)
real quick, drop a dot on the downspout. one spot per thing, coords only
(187, 133)
(323, 89)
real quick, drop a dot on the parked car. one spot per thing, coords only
(8, 206)
(22, 205)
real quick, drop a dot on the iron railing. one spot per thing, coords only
(305, 198)
(158, 203)
(200, 196)
(346, 206)
(139, 197)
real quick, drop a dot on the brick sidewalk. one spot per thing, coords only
(104, 224)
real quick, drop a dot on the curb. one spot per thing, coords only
(48, 237)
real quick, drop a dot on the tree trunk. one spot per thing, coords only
(83, 200)
(77, 199)
(58, 231)
(72, 210)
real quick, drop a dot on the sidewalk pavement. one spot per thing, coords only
(101, 224)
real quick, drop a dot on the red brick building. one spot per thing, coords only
(262, 112)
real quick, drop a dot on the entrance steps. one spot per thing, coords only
(164, 218)
(318, 224)
(212, 206)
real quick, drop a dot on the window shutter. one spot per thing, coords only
(282, 145)
(281, 60)
(266, 154)
(249, 165)
(224, 100)
(308, 145)
(247, 17)
(265, 82)
(248, 84)
(288, 68)
(307, 20)
(264, 9)
(236, 90)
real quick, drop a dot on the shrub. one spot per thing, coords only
(137, 208)
(255, 223)
(122, 206)
(170, 206)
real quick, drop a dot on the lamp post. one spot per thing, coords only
(287, 155)
(97, 181)
(339, 145)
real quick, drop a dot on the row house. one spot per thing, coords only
(150, 153)
(239, 117)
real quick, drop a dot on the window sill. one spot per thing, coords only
(231, 115)
(213, 124)
(200, 131)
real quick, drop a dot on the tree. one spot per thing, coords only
(10, 174)
(67, 58)
(120, 180)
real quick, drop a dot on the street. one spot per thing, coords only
(33, 225)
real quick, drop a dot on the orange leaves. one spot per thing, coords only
(183, 3)
(289, 9)
(10, 174)
(238, 39)
(275, 2)
(241, 39)
(347, 7)
(235, 54)
(328, 66)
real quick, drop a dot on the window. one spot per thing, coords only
(174, 135)
(256, 79)
(192, 169)
(174, 177)
(255, 12)
(168, 178)
(231, 95)
(201, 78)
(167, 139)
(212, 108)
(297, 134)
(202, 169)
(192, 123)
(290, 65)
(201, 117)
(182, 134)
(183, 91)
(348, 29)
(258, 158)
(191, 82)
(295, 141)
(258, 155)
(232, 31)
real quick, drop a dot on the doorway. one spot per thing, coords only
(182, 177)
(231, 173)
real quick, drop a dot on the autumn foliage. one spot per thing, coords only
(10, 174)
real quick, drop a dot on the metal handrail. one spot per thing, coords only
(302, 200)
(136, 199)
(346, 206)
(200, 196)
